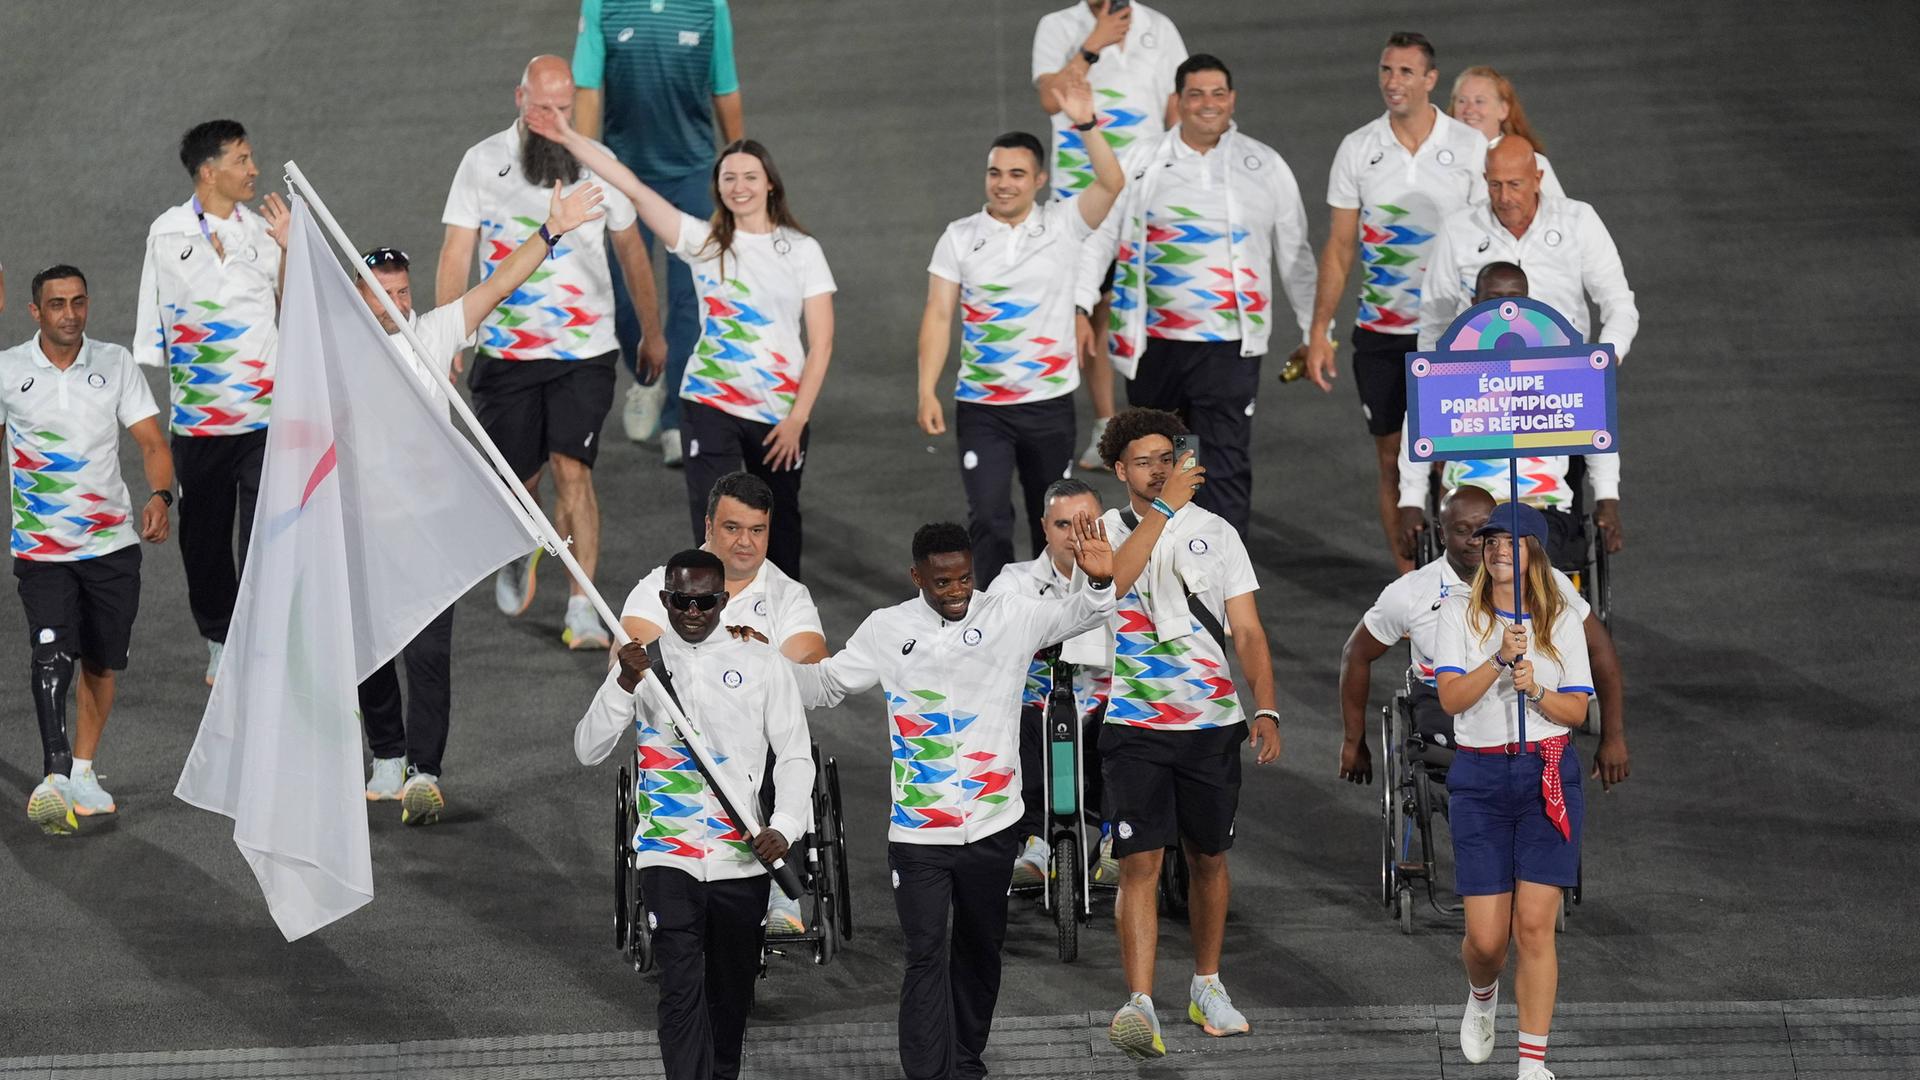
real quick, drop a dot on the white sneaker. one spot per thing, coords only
(389, 776)
(1476, 1034)
(1135, 1030)
(640, 414)
(583, 626)
(1209, 1006)
(87, 796)
(670, 454)
(513, 586)
(214, 649)
(421, 800)
(1537, 1072)
(783, 914)
(1030, 866)
(1090, 459)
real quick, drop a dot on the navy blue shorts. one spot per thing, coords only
(1500, 829)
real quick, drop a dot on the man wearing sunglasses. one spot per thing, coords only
(760, 597)
(705, 890)
(406, 753)
(952, 663)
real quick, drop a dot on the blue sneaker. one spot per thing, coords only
(51, 808)
(87, 796)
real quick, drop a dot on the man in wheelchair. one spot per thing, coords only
(1410, 608)
(706, 891)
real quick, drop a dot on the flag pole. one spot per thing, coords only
(537, 522)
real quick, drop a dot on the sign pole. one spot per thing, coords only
(1513, 497)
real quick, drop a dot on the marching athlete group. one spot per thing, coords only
(1157, 256)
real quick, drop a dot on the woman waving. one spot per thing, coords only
(751, 384)
(1514, 786)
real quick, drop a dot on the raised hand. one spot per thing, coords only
(1091, 551)
(1109, 27)
(1075, 98)
(279, 218)
(1180, 486)
(548, 122)
(566, 213)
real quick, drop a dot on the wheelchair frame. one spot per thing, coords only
(823, 870)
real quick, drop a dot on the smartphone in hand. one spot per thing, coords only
(1184, 445)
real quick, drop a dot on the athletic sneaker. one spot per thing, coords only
(1107, 870)
(51, 808)
(583, 626)
(1538, 1072)
(1090, 460)
(513, 586)
(87, 796)
(421, 801)
(1136, 1030)
(389, 776)
(1211, 1008)
(1030, 866)
(670, 453)
(783, 914)
(640, 415)
(214, 649)
(1476, 1034)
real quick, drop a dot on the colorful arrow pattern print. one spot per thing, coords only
(541, 320)
(676, 815)
(54, 518)
(733, 368)
(217, 389)
(1001, 360)
(1543, 481)
(937, 782)
(1392, 257)
(1119, 125)
(1191, 291)
(1167, 685)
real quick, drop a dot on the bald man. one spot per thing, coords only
(543, 374)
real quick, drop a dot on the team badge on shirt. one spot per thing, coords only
(972, 636)
(733, 679)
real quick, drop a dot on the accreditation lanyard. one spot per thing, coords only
(200, 215)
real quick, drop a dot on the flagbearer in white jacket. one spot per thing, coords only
(706, 893)
(1207, 216)
(952, 663)
(1170, 748)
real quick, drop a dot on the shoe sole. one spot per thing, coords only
(110, 808)
(581, 644)
(1133, 1036)
(371, 797)
(53, 813)
(786, 926)
(422, 805)
(533, 583)
(1195, 1014)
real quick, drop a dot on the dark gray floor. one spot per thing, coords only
(1755, 164)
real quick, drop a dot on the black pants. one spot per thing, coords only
(706, 944)
(1035, 750)
(994, 440)
(1212, 388)
(718, 443)
(951, 982)
(422, 736)
(219, 482)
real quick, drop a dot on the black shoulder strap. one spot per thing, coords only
(1207, 622)
(658, 666)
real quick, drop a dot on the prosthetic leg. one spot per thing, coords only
(52, 675)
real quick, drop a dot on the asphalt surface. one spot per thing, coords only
(1754, 164)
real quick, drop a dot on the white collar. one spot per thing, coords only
(1383, 130)
(39, 355)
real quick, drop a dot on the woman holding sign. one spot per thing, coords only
(1516, 682)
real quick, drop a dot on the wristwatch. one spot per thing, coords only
(1539, 693)
(163, 495)
(552, 238)
(1088, 126)
(1089, 55)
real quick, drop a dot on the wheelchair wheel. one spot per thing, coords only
(1602, 598)
(1403, 908)
(622, 843)
(837, 854)
(1174, 881)
(1426, 545)
(639, 932)
(1387, 772)
(1066, 896)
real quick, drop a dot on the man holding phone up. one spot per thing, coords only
(1170, 748)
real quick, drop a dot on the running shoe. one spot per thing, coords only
(1107, 870)
(783, 914)
(640, 414)
(1211, 1008)
(1476, 1034)
(51, 808)
(389, 776)
(1136, 1030)
(87, 796)
(1090, 459)
(1030, 866)
(583, 626)
(1538, 1072)
(670, 453)
(421, 801)
(214, 649)
(513, 586)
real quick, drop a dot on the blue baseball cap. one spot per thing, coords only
(1515, 519)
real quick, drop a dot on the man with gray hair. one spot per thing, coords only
(543, 375)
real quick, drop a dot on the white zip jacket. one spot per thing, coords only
(1266, 221)
(742, 696)
(953, 702)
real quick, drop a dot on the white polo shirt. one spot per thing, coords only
(565, 310)
(1016, 302)
(1131, 85)
(772, 603)
(1410, 606)
(750, 356)
(1490, 721)
(443, 332)
(1568, 256)
(1040, 579)
(212, 320)
(63, 434)
(1402, 198)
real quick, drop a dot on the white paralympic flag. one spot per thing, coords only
(374, 515)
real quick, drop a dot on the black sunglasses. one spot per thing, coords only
(386, 256)
(687, 601)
